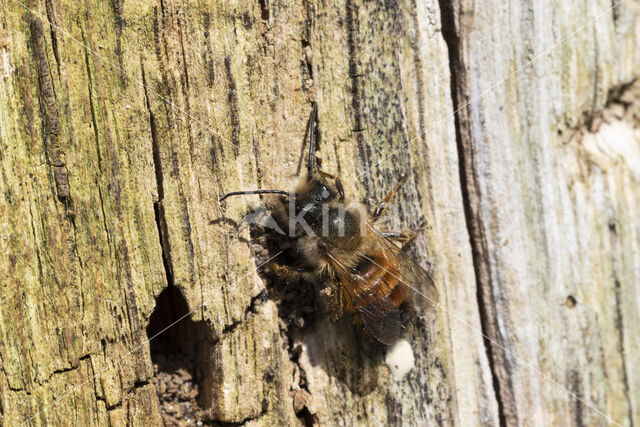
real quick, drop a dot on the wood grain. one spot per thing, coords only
(122, 123)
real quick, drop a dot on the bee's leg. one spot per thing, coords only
(287, 272)
(404, 238)
(337, 303)
(395, 235)
(382, 206)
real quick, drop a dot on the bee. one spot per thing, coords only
(368, 274)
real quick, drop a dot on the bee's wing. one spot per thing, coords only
(385, 329)
(383, 325)
(407, 277)
(412, 275)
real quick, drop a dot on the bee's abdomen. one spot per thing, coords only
(381, 289)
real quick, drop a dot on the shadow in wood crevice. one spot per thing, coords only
(182, 360)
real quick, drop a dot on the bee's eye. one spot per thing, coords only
(325, 192)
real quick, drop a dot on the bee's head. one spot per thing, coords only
(311, 198)
(320, 205)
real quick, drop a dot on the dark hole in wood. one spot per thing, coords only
(571, 301)
(181, 352)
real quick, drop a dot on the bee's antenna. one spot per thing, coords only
(239, 193)
(312, 167)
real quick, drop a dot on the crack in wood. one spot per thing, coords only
(265, 12)
(618, 316)
(357, 97)
(92, 107)
(160, 47)
(52, 28)
(502, 385)
(304, 414)
(621, 348)
(158, 206)
(116, 5)
(47, 93)
(257, 300)
(232, 98)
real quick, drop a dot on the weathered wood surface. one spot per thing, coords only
(121, 124)
(121, 127)
(553, 210)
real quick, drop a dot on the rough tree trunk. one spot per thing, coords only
(123, 122)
